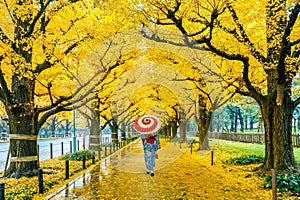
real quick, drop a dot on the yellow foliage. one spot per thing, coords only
(241, 27)
(191, 176)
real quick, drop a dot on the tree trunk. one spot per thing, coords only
(182, 127)
(23, 131)
(259, 125)
(163, 131)
(114, 130)
(67, 128)
(169, 131)
(212, 125)
(298, 123)
(295, 124)
(252, 123)
(241, 119)
(246, 122)
(23, 152)
(236, 119)
(123, 132)
(94, 138)
(232, 122)
(174, 129)
(203, 127)
(277, 114)
(219, 124)
(129, 132)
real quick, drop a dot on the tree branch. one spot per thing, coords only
(66, 103)
(4, 38)
(295, 42)
(46, 64)
(292, 19)
(296, 102)
(4, 88)
(243, 38)
(43, 7)
(71, 47)
(245, 60)
(37, 17)
(9, 12)
(285, 44)
(43, 66)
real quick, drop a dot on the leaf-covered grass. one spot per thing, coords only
(246, 159)
(238, 148)
(54, 177)
(285, 183)
(288, 185)
(78, 155)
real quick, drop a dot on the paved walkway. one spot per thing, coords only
(128, 160)
(178, 175)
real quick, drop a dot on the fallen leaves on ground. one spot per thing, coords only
(191, 176)
(54, 176)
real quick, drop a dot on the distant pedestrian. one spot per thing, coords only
(148, 125)
(151, 144)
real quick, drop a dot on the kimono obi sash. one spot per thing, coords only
(150, 139)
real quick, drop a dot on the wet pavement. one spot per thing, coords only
(44, 148)
(125, 166)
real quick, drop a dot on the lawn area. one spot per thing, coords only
(238, 148)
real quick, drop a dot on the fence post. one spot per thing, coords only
(110, 149)
(212, 158)
(274, 183)
(67, 169)
(77, 145)
(99, 154)
(62, 148)
(51, 150)
(93, 158)
(70, 146)
(192, 146)
(83, 161)
(41, 182)
(2, 191)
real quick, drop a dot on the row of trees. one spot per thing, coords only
(241, 118)
(259, 57)
(43, 46)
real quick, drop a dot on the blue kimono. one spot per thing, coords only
(151, 144)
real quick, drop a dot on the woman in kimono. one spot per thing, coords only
(151, 144)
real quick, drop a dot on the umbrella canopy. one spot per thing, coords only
(147, 124)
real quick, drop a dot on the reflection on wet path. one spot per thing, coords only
(124, 169)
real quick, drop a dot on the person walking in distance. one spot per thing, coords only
(148, 126)
(151, 144)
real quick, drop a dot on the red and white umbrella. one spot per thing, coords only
(147, 124)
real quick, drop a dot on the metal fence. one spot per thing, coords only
(249, 137)
(47, 149)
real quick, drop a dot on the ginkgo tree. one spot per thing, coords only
(42, 44)
(260, 42)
